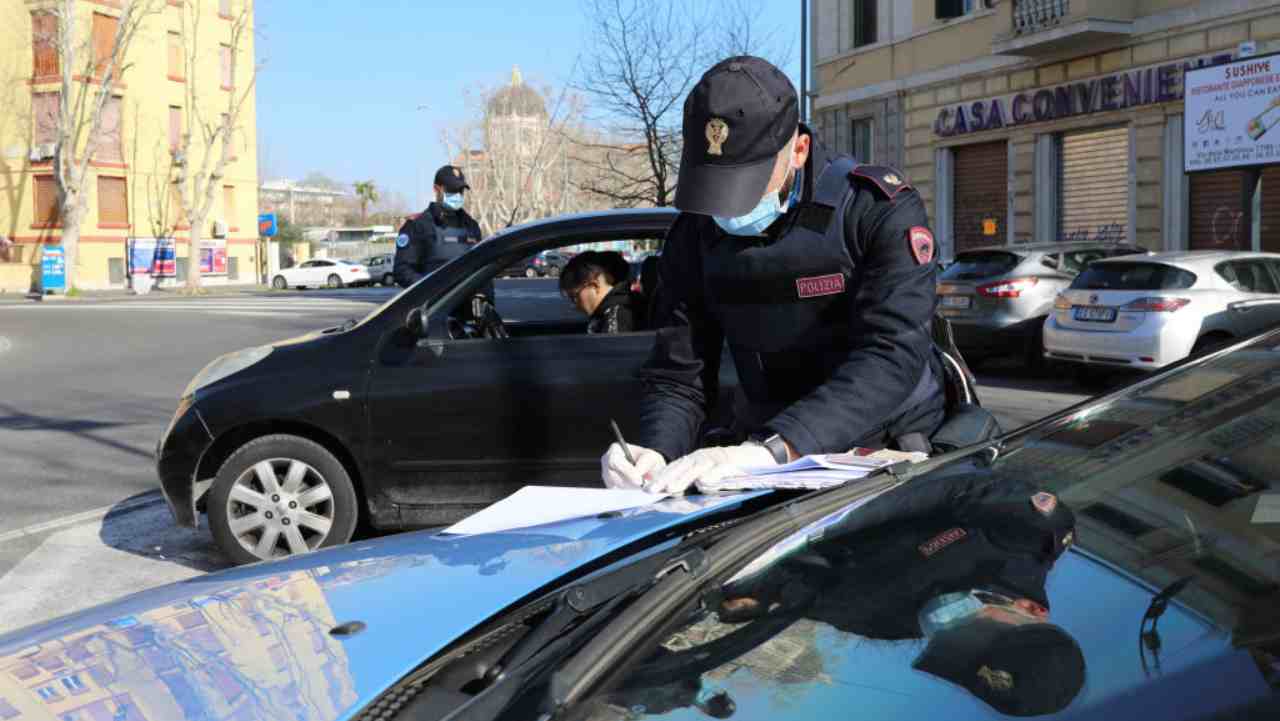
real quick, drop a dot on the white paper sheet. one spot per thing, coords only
(536, 505)
(812, 472)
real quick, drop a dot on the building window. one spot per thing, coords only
(44, 118)
(948, 9)
(108, 147)
(175, 128)
(7, 711)
(229, 206)
(44, 39)
(46, 196)
(176, 69)
(862, 28)
(225, 54)
(48, 694)
(862, 149)
(113, 203)
(104, 41)
(74, 684)
(1093, 196)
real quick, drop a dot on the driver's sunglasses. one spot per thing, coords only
(572, 295)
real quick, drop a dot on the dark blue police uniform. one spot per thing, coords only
(432, 239)
(827, 316)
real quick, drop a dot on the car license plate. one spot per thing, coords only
(955, 301)
(1096, 314)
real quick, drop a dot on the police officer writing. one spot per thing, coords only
(439, 234)
(819, 274)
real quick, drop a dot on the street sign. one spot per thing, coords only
(53, 269)
(989, 226)
(267, 225)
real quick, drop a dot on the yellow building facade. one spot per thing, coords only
(1044, 120)
(128, 186)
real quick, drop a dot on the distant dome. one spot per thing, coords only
(517, 99)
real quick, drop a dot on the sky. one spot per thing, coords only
(342, 85)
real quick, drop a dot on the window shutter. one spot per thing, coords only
(176, 69)
(107, 145)
(44, 40)
(864, 27)
(44, 117)
(104, 39)
(226, 66)
(229, 205)
(175, 127)
(113, 207)
(46, 200)
(224, 8)
(947, 9)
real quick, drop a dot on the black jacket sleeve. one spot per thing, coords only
(891, 306)
(413, 246)
(682, 373)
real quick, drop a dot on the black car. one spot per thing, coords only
(547, 264)
(409, 417)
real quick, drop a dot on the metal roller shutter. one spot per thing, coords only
(1216, 216)
(1094, 186)
(981, 182)
(1270, 233)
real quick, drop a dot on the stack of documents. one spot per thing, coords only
(813, 472)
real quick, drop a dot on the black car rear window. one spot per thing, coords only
(981, 264)
(1133, 276)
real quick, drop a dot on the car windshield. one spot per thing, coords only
(981, 264)
(1114, 562)
(1133, 276)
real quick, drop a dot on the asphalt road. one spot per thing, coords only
(87, 387)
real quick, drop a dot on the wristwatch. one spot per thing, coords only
(775, 445)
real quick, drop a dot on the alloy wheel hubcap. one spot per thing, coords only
(280, 507)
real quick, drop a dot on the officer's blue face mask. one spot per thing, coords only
(453, 201)
(769, 209)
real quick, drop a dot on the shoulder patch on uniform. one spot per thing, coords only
(941, 541)
(402, 241)
(922, 246)
(884, 179)
(1045, 503)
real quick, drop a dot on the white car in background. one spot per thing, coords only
(322, 272)
(1147, 312)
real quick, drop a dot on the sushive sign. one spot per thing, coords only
(1132, 88)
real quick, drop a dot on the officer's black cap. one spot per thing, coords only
(736, 119)
(1028, 670)
(450, 177)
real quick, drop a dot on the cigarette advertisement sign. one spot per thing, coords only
(1233, 115)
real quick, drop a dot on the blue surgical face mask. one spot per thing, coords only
(755, 221)
(453, 201)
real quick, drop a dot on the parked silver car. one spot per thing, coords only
(380, 268)
(1148, 312)
(997, 298)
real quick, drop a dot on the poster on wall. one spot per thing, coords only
(1232, 115)
(152, 256)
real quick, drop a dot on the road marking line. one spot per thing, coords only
(5, 345)
(150, 498)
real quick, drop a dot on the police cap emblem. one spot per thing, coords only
(402, 241)
(892, 179)
(1045, 503)
(717, 133)
(996, 679)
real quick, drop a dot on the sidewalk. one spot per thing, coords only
(118, 294)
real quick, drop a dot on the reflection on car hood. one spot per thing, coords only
(256, 643)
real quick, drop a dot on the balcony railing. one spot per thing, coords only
(1033, 16)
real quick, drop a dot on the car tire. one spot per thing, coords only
(249, 526)
(279, 283)
(388, 280)
(530, 273)
(335, 281)
(1209, 343)
(1033, 353)
(554, 272)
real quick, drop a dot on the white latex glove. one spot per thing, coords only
(708, 465)
(618, 472)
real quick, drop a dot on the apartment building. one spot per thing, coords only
(143, 121)
(1035, 120)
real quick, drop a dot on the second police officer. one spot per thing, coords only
(818, 272)
(439, 234)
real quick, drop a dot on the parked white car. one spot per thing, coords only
(322, 272)
(1150, 311)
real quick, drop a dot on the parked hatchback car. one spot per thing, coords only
(1148, 592)
(381, 268)
(997, 298)
(321, 273)
(413, 416)
(1148, 312)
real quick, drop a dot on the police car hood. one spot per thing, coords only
(266, 640)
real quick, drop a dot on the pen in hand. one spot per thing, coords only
(626, 450)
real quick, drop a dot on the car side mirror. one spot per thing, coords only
(416, 323)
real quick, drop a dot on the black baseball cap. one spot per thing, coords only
(450, 177)
(736, 119)
(1029, 670)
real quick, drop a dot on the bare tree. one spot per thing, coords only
(642, 58)
(88, 116)
(161, 213)
(206, 144)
